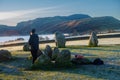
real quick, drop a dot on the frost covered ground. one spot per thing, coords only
(18, 67)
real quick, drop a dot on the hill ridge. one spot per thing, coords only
(80, 23)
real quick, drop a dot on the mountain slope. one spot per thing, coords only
(66, 24)
(8, 30)
(90, 24)
(42, 24)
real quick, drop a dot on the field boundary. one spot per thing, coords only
(72, 38)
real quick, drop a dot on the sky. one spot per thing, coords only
(15, 11)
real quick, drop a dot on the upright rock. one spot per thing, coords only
(5, 55)
(93, 40)
(55, 53)
(60, 40)
(63, 58)
(26, 47)
(48, 51)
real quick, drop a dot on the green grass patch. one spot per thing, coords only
(19, 68)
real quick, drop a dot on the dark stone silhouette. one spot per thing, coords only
(98, 61)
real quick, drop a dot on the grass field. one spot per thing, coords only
(18, 67)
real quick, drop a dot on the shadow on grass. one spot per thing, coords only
(107, 71)
(15, 66)
(9, 69)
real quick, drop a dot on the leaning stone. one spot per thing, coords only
(5, 55)
(55, 53)
(48, 51)
(60, 40)
(93, 40)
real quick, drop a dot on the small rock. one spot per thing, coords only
(26, 47)
(5, 55)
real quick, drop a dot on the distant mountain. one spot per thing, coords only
(43, 24)
(8, 30)
(99, 24)
(67, 24)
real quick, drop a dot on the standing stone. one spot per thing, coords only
(55, 53)
(60, 40)
(26, 47)
(48, 51)
(63, 58)
(93, 40)
(5, 55)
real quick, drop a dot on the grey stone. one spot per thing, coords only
(48, 51)
(43, 59)
(5, 55)
(64, 57)
(60, 40)
(93, 40)
(55, 53)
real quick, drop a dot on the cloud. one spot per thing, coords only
(13, 17)
(15, 14)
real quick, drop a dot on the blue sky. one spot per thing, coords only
(14, 11)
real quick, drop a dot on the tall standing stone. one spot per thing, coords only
(60, 40)
(93, 40)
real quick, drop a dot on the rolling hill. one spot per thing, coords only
(67, 24)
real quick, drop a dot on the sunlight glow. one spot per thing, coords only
(14, 14)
